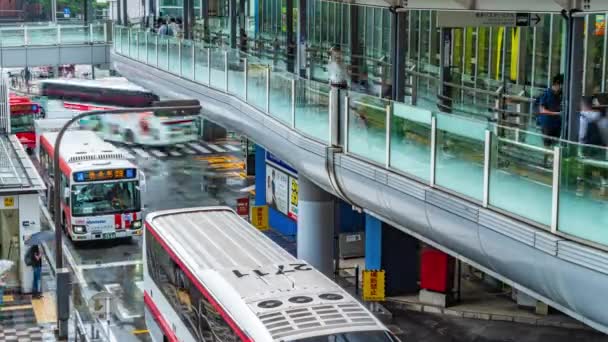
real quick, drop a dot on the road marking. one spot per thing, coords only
(174, 153)
(158, 153)
(110, 264)
(126, 153)
(216, 148)
(141, 152)
(142, 331)
(199, 148)
(188, 150)
(232, 147)
(180, 145)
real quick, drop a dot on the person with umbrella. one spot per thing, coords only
(35, 255)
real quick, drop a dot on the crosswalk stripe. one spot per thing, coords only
(158, 153)
(174, 153)
(199, 148)
(232, 147)
(141, 152)
(180, 145)
(216, 148)
(188, 150)
(126, 154)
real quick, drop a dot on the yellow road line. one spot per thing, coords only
(141, 331)
(16, 307)
(8, 298)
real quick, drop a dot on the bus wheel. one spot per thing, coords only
(129, 138)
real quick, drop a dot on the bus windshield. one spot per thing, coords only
(355, 336)
(22, 122)
(105, 198)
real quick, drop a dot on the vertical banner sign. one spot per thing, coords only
(259, 217)
(242, 207)
(373, 285)
(281, 187)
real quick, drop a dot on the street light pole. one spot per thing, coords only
(63, 274)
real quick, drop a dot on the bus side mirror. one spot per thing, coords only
(142, 181)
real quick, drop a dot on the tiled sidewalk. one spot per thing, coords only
(19, 321)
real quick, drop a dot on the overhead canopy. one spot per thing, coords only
(510, 5)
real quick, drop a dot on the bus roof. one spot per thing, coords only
(119, 83)
(85, 149)
(233, 259)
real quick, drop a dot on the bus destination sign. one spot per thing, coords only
(24, 108)
(104, 175)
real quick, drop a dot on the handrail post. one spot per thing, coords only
(268, 89)
(433, 149)
(346, 125)
(179, 57)
(137, 46)
(59, 36)
(193, 60)
(555, 193)
(388, 136)
(486, 168)
(245, 71)
(226, 70)
(91, 33)
(209, 66)
(334, 116)
(293, 103)
(168, 56)
(156, 49)
(25, 36)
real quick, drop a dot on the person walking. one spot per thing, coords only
(336, 69)
(36, 256)
(550, 118)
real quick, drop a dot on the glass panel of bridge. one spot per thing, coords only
(583, 192)
(521, 176)
(174, 55)
(12, 37)
(367, 126)
(411, 140)
(74, 34)
(141, 46)
(124, 40)
(152, 48)
(236, 73)
(256, 83)
(201, 67)
(133, 46)
(97, 34)
(163, 52)
(460, 155)
(312, 108)
(42, 35)
(218, 69)
(186, 59)
(280, 95)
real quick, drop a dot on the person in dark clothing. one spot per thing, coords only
(550, 111)
(37, 269)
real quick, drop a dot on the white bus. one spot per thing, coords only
(100, 189)
(211, 276)
(159, 128)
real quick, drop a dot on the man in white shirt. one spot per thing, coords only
(336, 69)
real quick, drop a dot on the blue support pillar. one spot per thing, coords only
(260, 175)
(373, 243)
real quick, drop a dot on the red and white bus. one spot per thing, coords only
(23, 113)
(160, 128)
(209, 275)
(100, 189)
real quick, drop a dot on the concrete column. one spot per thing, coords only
(315, 226)
(289, 36)
(398, 51)
(125, 12)
(233, 19)
(54, 11)
(301, 37)
(445, 50)
(85, 10)
(205, 17)
(356, 48)
(188, 18)
(118, 11)
(373, 243)
(574, 77)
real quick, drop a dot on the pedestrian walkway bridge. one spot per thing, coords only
(52, 45)
(494, 196)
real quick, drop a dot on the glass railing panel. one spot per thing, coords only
(97, 33)
(236, 74)
(312, 108)
(411, 140)
(75, 34)
(460, 155)
(124, 41)
(367, 126)
(133, 48)
(521, 178)
(256, 84)
(583, 192)
(152, 49)
(174, 58)
(42, 35)
(141, 46)
(163, 53)
(280, 95)
(218, 69)
(201, 67)
(12, 37)
(186, 60)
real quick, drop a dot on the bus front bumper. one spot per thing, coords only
(94, 235)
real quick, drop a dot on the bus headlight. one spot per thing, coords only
(137, 224)
(79, 229)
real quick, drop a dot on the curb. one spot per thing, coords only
(409, 306)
